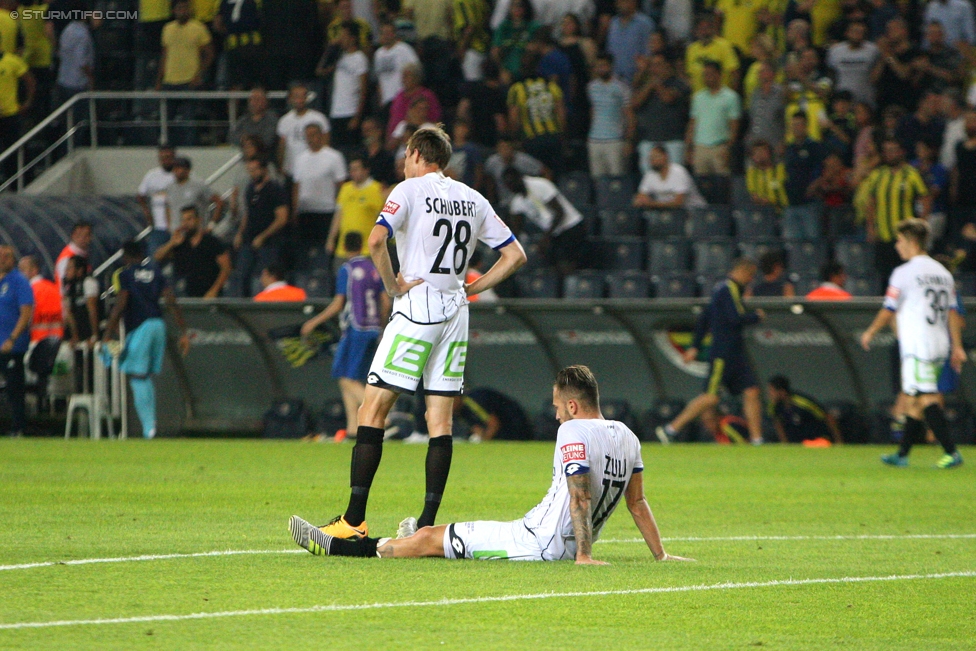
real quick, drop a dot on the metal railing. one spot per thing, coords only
(67, 116)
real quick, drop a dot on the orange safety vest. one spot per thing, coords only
(282, 293)
(827, 293)
(47, 310)
(69, 251)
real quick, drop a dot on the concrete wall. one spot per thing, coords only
(114, 171)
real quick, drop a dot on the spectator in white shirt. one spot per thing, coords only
(291, 127)
(852, 60)
(388, 63)
(348, 89)
(667, 185)
(318, 173)
(152, 198)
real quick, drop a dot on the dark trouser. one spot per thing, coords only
(245, 66)
(42, 96)
(9, 133)
(12, 369)
(251, 260)
(311, 231)
(184, 135)
(548, 149)
(342, 137)
(885, 259)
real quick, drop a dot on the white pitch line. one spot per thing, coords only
(481, 600)
(253, 552)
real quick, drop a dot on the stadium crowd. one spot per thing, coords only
(653, 140)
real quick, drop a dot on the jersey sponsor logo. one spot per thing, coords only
(391, 207)
(574, 452)
(408, 356)
(893, 293)
(456, 543)
(576, 469)
(144, 275)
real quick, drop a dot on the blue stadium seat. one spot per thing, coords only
(757, 222)
(864, 286)
(755, 249)
(621, 221)
(665, 223)
(713, 257)
(316, 283)
(584, 284)
(715, 189)
(541, 283)
(576, 187)
(805, 258)
(614, 191)
(668, 256)
(707, 282)
(628, 284)
(674, 286)
(740, 193)
(622, 253)
(804, 285)
(840, 222)
(857, 257)
(713, 221)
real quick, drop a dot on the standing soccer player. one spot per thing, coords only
(437, 223)
(921, 296)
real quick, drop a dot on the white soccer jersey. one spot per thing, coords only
(437, 223)
(610, 453)
(921, 292)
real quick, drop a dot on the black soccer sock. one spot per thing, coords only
(362, 547)
(936, 420)
(440, 449)
(913, 433)
(366, 455)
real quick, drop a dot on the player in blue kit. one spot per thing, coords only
(140, 285)
(725, 317)
(364, 305)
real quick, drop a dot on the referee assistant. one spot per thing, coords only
(893, 190)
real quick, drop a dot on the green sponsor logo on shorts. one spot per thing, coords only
(408, 356)
(488, 555)
(457, 355)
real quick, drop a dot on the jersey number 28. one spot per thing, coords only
(461, 235)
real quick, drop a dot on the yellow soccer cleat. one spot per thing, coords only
(339, 528)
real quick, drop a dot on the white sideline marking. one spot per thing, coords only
(480, 600)
(246, 552)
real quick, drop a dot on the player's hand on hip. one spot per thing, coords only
(403, 286)
(590, 561)
(958, 359)
(689, 355)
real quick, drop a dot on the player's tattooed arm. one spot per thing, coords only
(579, 509)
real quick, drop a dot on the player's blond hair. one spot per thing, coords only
(578, 383)
(433, 144)
(916, 230)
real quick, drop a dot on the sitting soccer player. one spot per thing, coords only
(798, 418)
(597, 462)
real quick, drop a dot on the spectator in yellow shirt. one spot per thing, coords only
(739, 21)
(710, 47)
(13, 69)
(359, 201)
(187, 54)
(11, 38)
(38, 36)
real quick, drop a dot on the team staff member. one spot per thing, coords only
(921, 296)
(596, 462)
(893, 190)
(78, 246)
(200, 260)
(140, 284)
(797, 417)
(276, 288)
(16, 307)
(364, 305)
(47, 319)
(831, 288)
(725, 317)
(427, 335)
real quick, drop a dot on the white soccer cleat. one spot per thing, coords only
(299, 530)
(407, 528)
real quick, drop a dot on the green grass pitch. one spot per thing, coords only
(905, 528)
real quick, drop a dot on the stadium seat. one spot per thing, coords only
(316, 283)
(755, 249)
(584, 284)
(805, 258)
(622, 253)
(628, 284)
(966, 284)
(665, 223)
(857, 257)
(576, 187)
(757, 222)
(713, 221)
(621, 221)
(614, 192)
(541, 283)
(840, 222)
(863, 286)
(740, 193)
(546, 426)
(668, 256)
(674, 286)
(715, 189)
(619, 410)
(712, 257)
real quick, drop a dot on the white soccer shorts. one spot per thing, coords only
(489, 541)
(410, 351)
(919, 376)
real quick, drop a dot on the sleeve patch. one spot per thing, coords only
(391, 207)
(576, 469)
(893, 293)
(574, 452)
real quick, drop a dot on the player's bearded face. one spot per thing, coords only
(563, 413)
